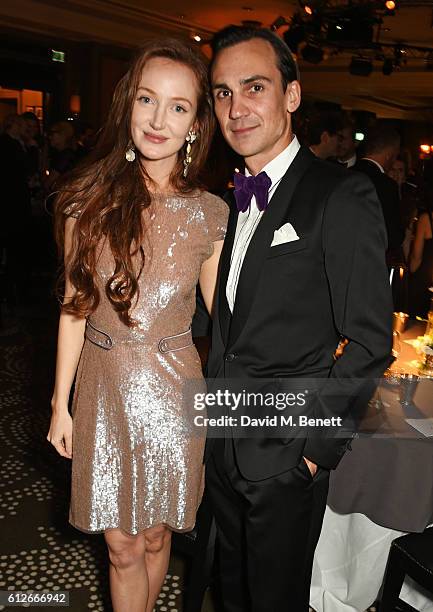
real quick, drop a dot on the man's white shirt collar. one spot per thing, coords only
(278, 166)
(349, 163)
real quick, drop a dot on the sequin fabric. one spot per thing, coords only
(136, 463)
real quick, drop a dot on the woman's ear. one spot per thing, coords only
(293, 96)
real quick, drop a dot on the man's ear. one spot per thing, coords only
(324, 137)
(293, 96)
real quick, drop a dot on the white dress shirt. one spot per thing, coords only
(349, 163)
(249, 220)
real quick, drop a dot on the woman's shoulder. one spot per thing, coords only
(216, 213)
(424, 219)
(210, 200)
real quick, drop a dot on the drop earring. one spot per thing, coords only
(130, 153)
(191, 137)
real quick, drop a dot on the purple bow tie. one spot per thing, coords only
(247, 186)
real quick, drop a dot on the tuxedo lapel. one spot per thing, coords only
(258, 248)
(224, 314)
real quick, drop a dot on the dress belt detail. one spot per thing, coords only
(176, 342)
(98, 337)
(168, 344)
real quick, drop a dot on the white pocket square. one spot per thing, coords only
(286, 233)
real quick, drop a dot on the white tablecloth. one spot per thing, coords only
(349, 565)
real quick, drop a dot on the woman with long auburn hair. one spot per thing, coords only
(137, 232)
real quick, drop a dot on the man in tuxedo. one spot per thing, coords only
(302, 265)
(347, 144)
(381, 149)
(322, 133)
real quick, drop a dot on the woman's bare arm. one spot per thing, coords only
(209, 275)
(69, 345)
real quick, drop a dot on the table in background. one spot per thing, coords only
(382, 489)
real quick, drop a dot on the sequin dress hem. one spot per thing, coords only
(133, 533)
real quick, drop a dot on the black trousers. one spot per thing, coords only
(267, 533)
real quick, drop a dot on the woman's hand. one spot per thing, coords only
(60, 433)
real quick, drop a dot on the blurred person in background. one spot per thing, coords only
(347, 144)
(322, 134)
(421, 261)
(86, 136)
(33, 144)
(15, 207)
(409, 201)
(381, 149)
(397, 172)
(63, 151)
(33, 140)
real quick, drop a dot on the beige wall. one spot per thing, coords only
(21, 99)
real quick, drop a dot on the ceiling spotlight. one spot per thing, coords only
(352, 25)
(390, 5)
(360, 66)
(312, 6)
(197, 38)
(312, 53)
(388, 66)
(278, 23)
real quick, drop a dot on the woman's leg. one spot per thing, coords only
(138, 566)
(129, 582)
(158, 541)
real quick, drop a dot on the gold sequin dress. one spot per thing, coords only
(135, 463)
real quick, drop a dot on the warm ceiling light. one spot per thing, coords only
(425, 148)
(308, 10)
(390, 5)
(197, 38)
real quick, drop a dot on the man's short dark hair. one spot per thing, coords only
(381, 137)
(233, 35)
(348, 123)
(331, 122)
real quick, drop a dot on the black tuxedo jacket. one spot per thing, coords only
(294, 301)
(387, 192)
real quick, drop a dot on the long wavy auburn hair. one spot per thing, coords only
(110, 192)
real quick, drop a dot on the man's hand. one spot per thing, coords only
(311, 466)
